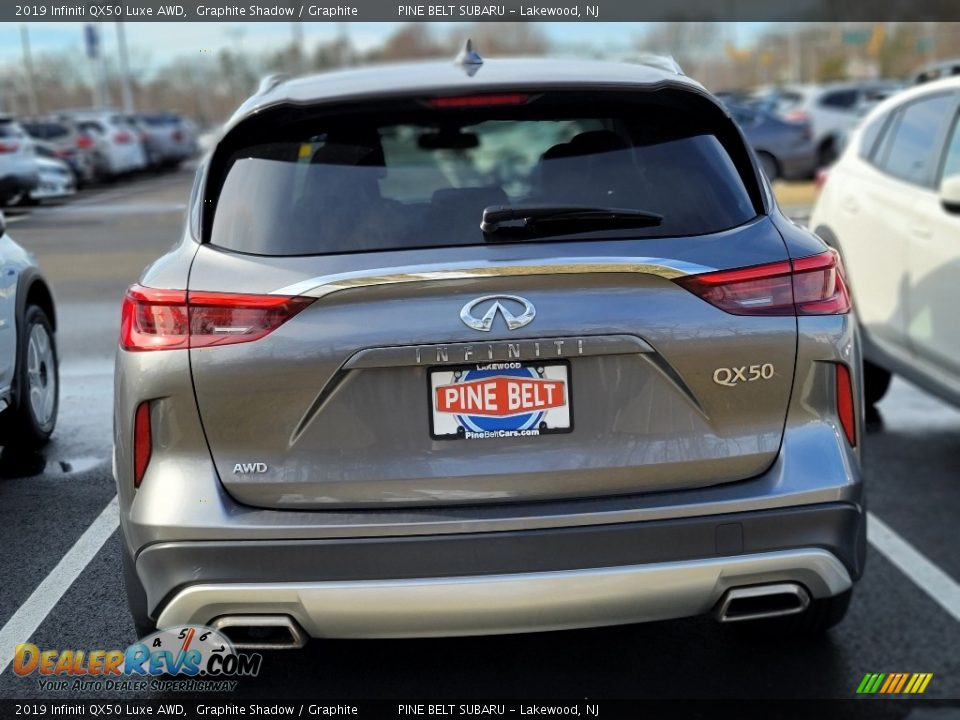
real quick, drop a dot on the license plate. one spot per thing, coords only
(500, 400)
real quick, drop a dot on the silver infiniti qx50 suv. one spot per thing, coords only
(514, 346)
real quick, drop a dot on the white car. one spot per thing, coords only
(29, 376)
(117, 146)
(891, 207)
(57, 179)
(831, 109)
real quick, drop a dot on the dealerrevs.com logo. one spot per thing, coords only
(199, 659)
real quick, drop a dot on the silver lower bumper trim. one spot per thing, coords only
(495, 604)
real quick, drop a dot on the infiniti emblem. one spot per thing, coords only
(490, 305)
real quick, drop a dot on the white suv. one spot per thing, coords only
(891, 206)
(117, 145)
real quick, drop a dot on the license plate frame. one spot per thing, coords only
(554, 419)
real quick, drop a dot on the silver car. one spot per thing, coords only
(487, 347)
(29, 374)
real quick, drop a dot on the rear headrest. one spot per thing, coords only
(587, 143)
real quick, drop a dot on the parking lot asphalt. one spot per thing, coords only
(905, 615)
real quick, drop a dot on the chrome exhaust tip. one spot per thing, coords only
(261, 632)
(757, 602)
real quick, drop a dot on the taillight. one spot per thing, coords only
(809, 286)
(84, 142)
(122, 138)
(796, 116)
(820, 179)
(9, 147)
(174, 319)
(177, 136)
(473, 101)
(846, 407)
(142, 442)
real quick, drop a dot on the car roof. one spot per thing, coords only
(447, 77)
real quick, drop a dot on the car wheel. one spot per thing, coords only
(16, 200)
(820, 616)
(29, 422)
(876, 382)
(769, 165)
(826, 153)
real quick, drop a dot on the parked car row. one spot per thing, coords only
(52, 156)
(797, 129)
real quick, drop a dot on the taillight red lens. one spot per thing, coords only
(84, 142)
(846, 407)
(472, 101)
(809, 286)
(820, 179)
(818, 285)
(796, 116)
(142, 442)
(154, 319)
(174, 319)
(122, 138)
(9, 147)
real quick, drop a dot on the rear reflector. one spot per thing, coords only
(809, 286)
(142, 442)
(175, 319)
(846, 407)
(9, 147)
(472, 101)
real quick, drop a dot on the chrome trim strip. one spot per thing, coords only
(495, 604)
(521, 349)
(324, 285)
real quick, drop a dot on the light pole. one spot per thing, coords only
(125, 88)
(28, 66)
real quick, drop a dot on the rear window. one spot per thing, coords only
(353, 185)
(91, 126)
(161, 119)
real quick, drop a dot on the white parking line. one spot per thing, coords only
(35, 608)
(928, 577)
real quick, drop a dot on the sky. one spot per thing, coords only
(153, 44)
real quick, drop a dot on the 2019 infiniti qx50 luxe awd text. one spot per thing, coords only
(487, 347)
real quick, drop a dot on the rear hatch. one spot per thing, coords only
(433, 363)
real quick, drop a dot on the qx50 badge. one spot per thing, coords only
(515, 311)
(732, 376)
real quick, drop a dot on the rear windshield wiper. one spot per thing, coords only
(517, 222)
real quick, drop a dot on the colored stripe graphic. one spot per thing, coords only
(894, 683)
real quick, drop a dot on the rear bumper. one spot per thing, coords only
(464, 584)
(798, 164)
